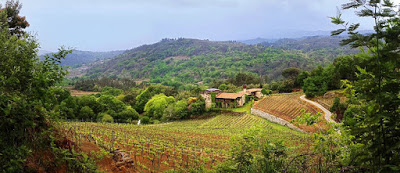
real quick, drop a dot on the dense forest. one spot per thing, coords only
(182, 60)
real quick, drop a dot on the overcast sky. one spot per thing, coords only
(102, 25)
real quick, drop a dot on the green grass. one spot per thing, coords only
(245, 108)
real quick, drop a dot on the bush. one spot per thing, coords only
(145, 120)
(198, 107)
(107, 119)
(127, 114)
(266, 91)
(338, 108)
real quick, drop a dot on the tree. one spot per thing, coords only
(25, 84)
(291, 73)
(127, 115)
(155, 107)
(91, 102)
(111, 91)
(15, 23)
(373, 112)
(223, 87)
(105, 118)
(300, 78)
(176, 111)
(142, 99)
(198, 107)
(109, 102)
(86, 113)
(315, 86)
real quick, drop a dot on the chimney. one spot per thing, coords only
(244, 88)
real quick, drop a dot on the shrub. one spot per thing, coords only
(145, 120)
(127, 114)
(107, 119)
(266, 91)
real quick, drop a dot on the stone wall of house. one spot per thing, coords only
(207, 99)
(274, 119)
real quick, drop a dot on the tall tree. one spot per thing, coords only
(15, 23)
(25, 96)
(373, 116)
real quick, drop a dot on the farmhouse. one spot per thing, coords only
(230, 99)
(226, 100)
(255, 92)
(208, 94)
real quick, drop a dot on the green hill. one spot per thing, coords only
(191, 61)
(78, 57)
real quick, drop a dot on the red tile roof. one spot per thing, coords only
(229, 95)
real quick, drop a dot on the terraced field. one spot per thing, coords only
(287, 107)
(181, 145)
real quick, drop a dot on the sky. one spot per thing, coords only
(104, 25)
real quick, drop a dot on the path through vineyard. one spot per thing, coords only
(327, 113)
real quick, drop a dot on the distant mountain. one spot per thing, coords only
(172, 61)
(257, 41)
(43, 52)
(78, 57)
(294, 35)
(309, 43)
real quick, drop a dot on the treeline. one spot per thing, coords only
(320, 80)
(99, 84)
(150, 105)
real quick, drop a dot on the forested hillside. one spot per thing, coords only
(191, 60)
(78, 57)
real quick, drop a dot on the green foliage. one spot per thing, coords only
(271, 155)
(167, 61)
(307, 118)
(14, 21)
(142, 99)
(105, 118)
(300, 78)
(144, 120)
(86, 113)
(154, 108)
(266, 91)
(69, 108)
(223, 87)
(338, 108)
(244, 79)
(291, 73)
(198, 107)
(59, 94)
(372, 115)
(111, 91)
(127, 115)
(130, 97)
(26, 99)
(315, 86)
(177, 111)
(109, 102)
(91, 102)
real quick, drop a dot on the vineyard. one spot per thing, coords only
(179, 145)
(287, 107)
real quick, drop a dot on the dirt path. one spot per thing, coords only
(327, 113)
